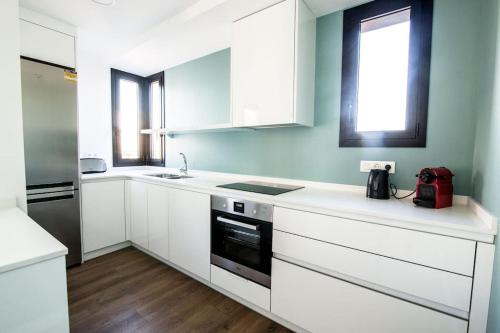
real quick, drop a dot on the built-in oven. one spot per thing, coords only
(242, 233)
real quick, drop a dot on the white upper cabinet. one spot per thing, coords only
(273, 66)
(46, 44)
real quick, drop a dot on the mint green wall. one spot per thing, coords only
(313, 153)
(198, 92)
(486, 178)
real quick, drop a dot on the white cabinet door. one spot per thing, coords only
(103, 214)
(262, 67)
(189, 231)
(46, 44)
(138, 201)
(320, 303)
(158, 220)
(273, 56)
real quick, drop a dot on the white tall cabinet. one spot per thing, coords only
(273, 66)
(189, 231)
(103, 214)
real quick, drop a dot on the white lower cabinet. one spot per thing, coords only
(138, 213)
(189, 231)
(320, 303)
(246, 289)
(158, 202)
(34, 298)
(173, 224)
(426, 286)
(103, 214)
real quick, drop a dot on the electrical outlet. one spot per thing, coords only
(366, 166)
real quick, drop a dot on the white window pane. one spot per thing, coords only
(155, 105)
(383, 73)
(129, 119)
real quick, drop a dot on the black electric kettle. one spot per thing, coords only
(378, 185)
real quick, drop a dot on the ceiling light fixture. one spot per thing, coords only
(105, 2)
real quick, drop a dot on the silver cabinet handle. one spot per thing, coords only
(236, 223)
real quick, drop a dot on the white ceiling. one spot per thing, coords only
(146, 36)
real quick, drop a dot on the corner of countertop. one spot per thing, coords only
(484, 214)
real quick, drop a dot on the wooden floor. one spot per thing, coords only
(128, 291)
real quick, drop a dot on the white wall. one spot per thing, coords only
(94, 103)
(12, 176)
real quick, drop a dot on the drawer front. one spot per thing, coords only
(446, 253)
(246, 289)
(319, 303)
(415, 282)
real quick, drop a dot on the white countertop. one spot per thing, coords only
(466, 219)
(22, 241)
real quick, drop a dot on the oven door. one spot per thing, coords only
(243, 246)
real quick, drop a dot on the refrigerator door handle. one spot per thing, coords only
(61, 187)
(51, 196)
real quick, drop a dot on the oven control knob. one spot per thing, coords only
(255, 212)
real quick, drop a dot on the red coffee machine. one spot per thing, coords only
(434, 188)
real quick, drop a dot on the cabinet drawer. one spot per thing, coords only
(446, 253)
(241, 287)
(319, 303)
(417, 283)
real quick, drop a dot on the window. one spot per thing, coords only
(156, 119)
(137, 104)
(385, 74)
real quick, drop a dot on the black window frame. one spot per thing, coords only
(149, 80)
(419, 65)
(144, 119)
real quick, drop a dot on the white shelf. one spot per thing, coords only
(171, 132)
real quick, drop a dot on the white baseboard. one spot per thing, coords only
(106, 250)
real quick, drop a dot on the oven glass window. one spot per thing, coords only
(241, 245)
(246, 243)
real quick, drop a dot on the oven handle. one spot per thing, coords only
(236, 223)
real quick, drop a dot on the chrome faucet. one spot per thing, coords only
(184, 170)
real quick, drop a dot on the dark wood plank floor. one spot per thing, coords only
(128, 291)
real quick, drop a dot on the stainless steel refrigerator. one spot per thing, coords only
(51, 152)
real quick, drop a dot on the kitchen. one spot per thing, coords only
(203, 166)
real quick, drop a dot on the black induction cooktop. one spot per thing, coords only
(261, 187)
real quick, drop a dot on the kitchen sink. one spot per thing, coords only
(170, 176)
